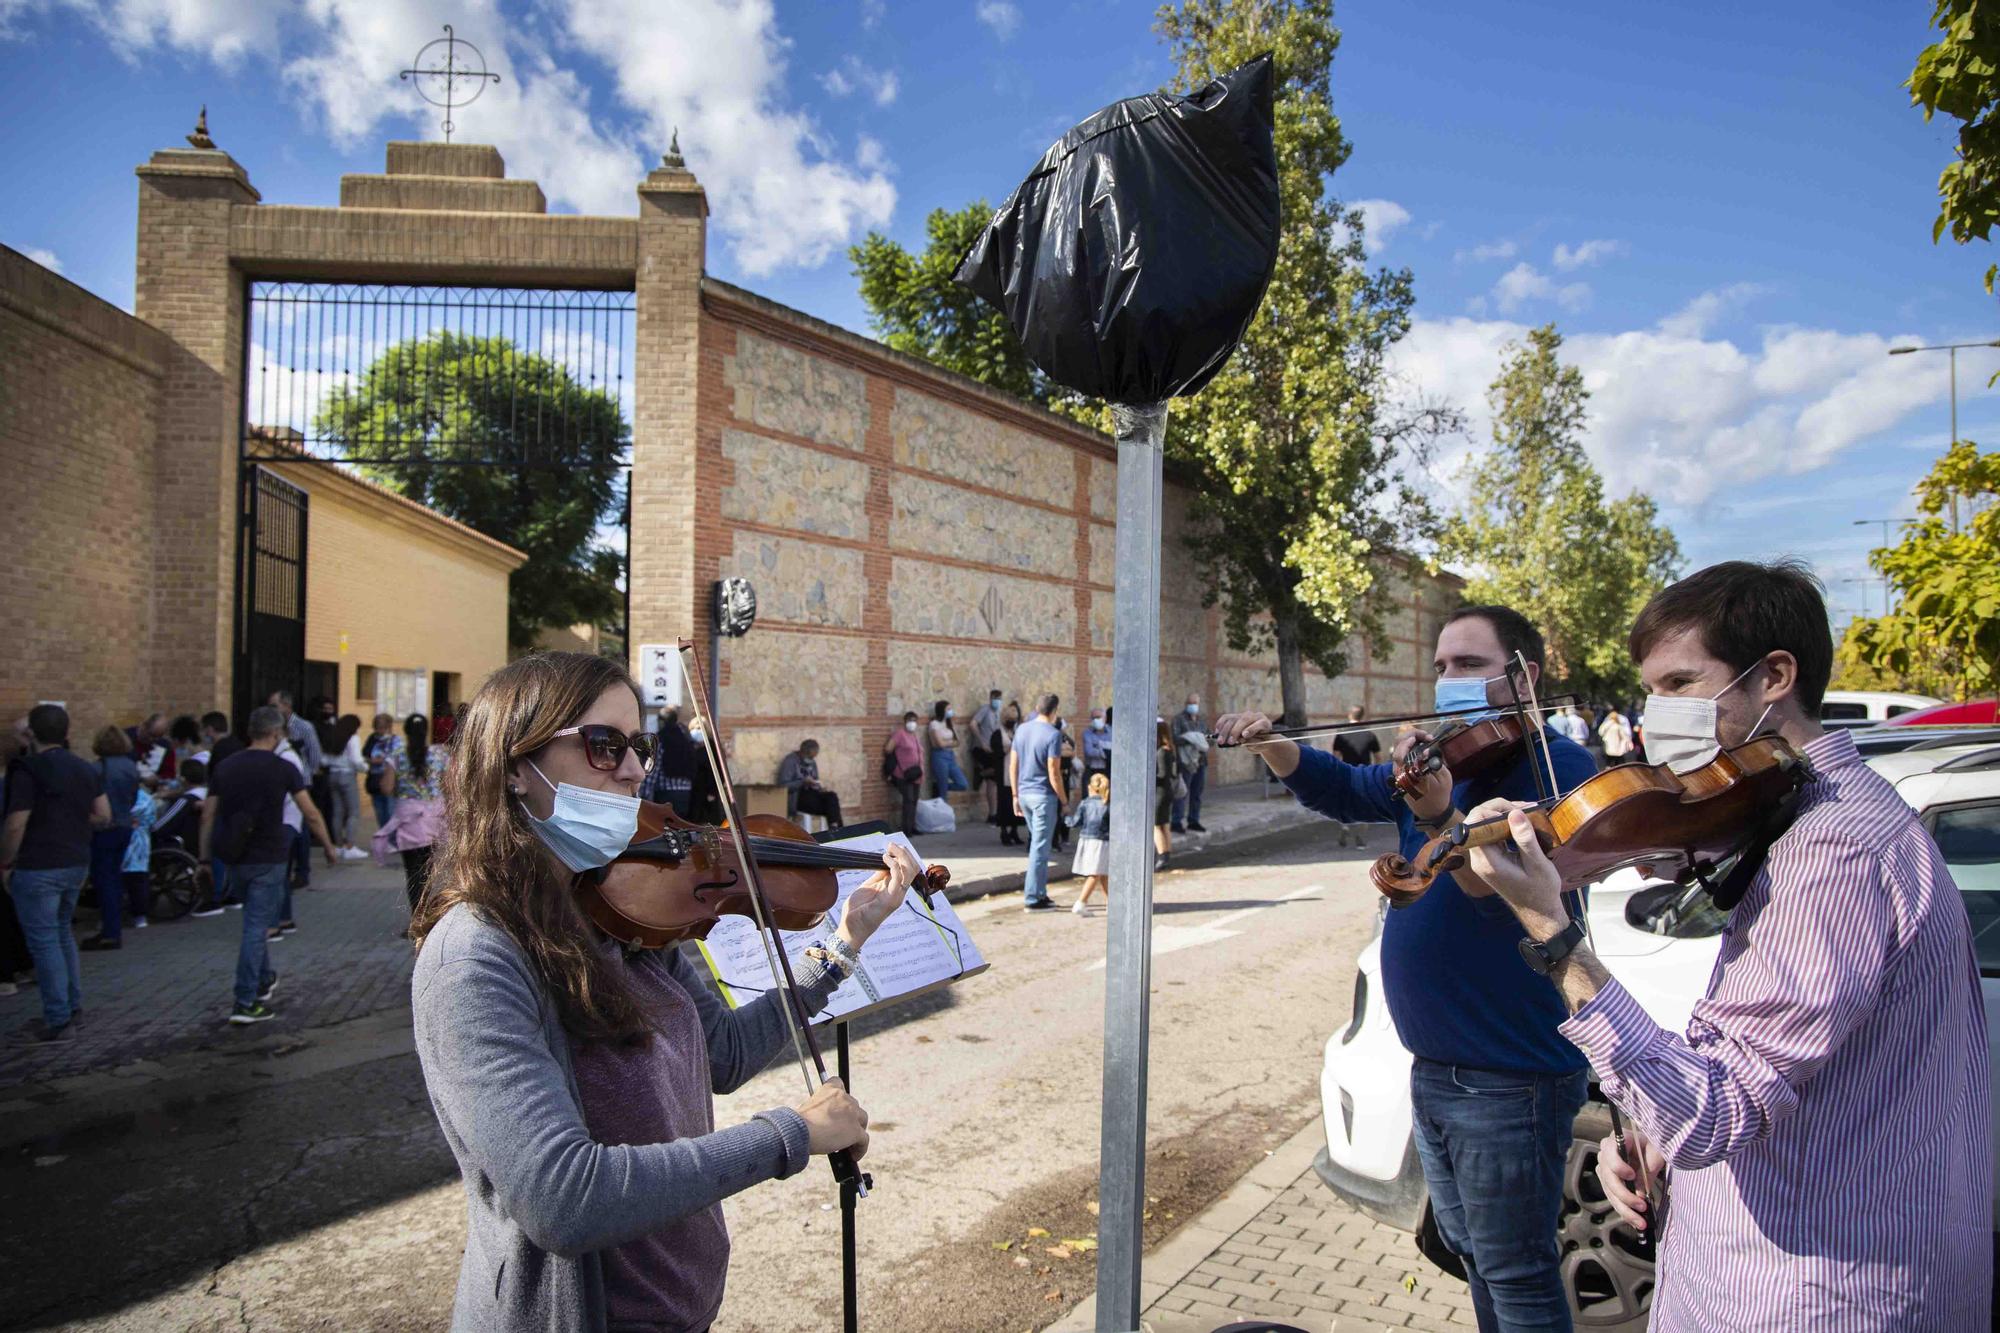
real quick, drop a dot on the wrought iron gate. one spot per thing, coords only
(271, 606)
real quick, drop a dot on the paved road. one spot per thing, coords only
(303, 1185)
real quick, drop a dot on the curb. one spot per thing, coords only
(1162, 1268)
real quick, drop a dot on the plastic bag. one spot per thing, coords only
(936, 816)
(1135, 254)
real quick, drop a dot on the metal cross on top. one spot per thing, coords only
(457, 67)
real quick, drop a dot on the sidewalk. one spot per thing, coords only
(1281, 1246)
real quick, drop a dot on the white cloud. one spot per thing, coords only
(1569, 258)
(1689, 419)
(223, 30)
(873, 11)
(1380, 220)
(46, 258)
(1524, 283)
(1002, 16)
(1693, 319)
(852, 76)
(1488, 250)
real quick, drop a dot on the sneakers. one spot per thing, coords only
(289, 927)
(97, 944)
(213, 909)
(1042, 905)
(270, 989)
(1079, 909)
(259, 1012)
(36, 1033)
(1196, 826)
(353, 854)
(273, 935)
(141, 924)
(9, 988)
(233, 904)
(1177, 828)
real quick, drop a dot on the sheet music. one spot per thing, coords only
(922, 943)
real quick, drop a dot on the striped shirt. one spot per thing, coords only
(1825, 1119)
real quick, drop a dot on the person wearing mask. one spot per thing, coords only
(999, 748)
(1359, 748)
(942, 742)
(151, 751)
(1494, 1084)
(54, 800)
(903, 766)
(381, 781)
(119, 777)
(243, 824)
(417, 822)
(304, 740)
(1191, 750)
(1066, 765)
(1034, 773)
(184, 734)
(219, 740)
(1166, 776)
(1572, 725)
(344, 763)
(1824, 1121)
(670, 781)
(798, 774)
(1616, 733)
(573, 1078)
(1097, 745)
(986, 721)
(705, 806)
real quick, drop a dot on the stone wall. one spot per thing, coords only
(913, 536)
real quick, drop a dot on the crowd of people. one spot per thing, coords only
(246, 805)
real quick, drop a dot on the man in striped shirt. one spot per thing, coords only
(1824, 1122)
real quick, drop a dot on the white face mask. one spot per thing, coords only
(586, 828)
(1680, 731)
(1097, 724)
(909, 726)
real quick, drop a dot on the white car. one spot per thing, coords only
(1665, 961)
(1865, 708)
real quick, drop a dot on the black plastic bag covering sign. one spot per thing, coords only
(1133, 257)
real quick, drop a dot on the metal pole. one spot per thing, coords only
(1954, 433)
(1135, 668)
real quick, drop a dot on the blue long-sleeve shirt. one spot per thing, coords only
(1451, 967)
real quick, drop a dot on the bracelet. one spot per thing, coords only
(836, 953)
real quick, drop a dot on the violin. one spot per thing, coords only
(1468, 749)
(1670, 824)
(678, 878)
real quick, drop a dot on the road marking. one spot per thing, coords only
(1172, 939)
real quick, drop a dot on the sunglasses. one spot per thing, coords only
(604, 747)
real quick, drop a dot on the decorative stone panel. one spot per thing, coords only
(799, 582)
(920, 673)
(939, 437)
(1103, 489)
(788, 486)
(1102, 620)
(1183, 628)
(1103, 553)
(782, 388)
(930, 515)
(774, 673)
(973, 604)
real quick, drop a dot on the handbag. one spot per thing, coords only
(1180, 788)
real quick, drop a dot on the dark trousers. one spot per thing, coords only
(823, 803)
(14, 955)
(107, 876)
(1494, 1145)
(416, 874)
(302, 858)
(907, 789)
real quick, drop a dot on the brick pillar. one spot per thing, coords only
(187, 289)
(666, 603)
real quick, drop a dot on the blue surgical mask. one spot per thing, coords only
(586, 828)
(1194, 710)
(1455, 693)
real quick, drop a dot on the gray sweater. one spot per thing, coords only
(542, 1197)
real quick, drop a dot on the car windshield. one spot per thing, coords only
(1969, 837)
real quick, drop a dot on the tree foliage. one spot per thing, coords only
(429, 407)
(1959, 74)
(1297, 506)
(1945, 628)
(1540, 535)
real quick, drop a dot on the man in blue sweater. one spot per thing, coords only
(1494, 1087)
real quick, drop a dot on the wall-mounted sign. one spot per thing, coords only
(660, 675)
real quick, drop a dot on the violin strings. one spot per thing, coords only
(1313, 733)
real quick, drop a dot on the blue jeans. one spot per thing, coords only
(218, 882)
(45, 901)
(1494, 1145)
(107, 876)
(263, 892)
(302, 862)
(1039, 809)
(386, 806)
(1187, 810)
(946, 775)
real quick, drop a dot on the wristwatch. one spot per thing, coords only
(1544, 955)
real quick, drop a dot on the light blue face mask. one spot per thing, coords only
(1459, 692)
(586, 828)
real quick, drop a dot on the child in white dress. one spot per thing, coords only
(1092, 821)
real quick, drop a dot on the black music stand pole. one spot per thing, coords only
(849, 1293)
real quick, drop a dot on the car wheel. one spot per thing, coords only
(1607, 1268)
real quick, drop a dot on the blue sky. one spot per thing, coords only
(1725, 208)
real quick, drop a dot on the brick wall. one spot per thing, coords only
(914, 536)
(80, 382)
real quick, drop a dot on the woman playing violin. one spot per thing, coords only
(574, 1080)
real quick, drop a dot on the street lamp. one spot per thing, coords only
(1953, 349)
(1864, 595)
(1885, 522)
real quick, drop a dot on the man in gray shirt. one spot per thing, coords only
(1034, 771)
(1191, 749)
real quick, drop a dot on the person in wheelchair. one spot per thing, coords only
(178, 825)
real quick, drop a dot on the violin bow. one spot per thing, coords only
(797, 1021)
(1375, 723)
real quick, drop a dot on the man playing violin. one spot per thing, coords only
(1824, 1121)
(1494, 1086)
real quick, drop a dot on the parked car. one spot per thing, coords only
(1663, 952)
(1863, 708)
(1975, 712)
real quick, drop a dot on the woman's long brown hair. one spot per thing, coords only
(490, 860)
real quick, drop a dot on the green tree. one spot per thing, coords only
(1959, 74)
(1945, 628)
(1539, 534)
(428, 414)
(917, 308)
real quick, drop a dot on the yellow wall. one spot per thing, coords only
(405, 588)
